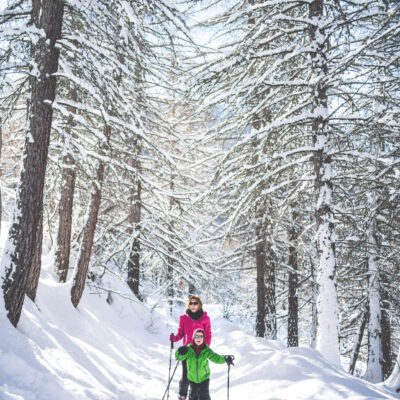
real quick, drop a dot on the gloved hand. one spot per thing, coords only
(172, 337)
(229, 360)
(183, 350)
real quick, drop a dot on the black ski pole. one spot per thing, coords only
(229, 367)
(169, 371)
(167, 389)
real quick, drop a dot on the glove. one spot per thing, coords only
(229, 360)
(183, 350)
(172, 337)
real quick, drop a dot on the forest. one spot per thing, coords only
(244, 150)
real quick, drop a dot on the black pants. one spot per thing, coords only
(200, 391)
(184, 383)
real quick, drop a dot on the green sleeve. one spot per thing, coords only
(215, 358)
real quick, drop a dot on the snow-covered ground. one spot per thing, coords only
(121, 351)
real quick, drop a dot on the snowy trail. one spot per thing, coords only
(120, 351)
(268, 370)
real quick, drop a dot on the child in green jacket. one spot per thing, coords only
(197, 355)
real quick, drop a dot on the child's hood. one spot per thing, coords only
(198, 330)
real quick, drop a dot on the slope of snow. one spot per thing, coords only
(121, 351)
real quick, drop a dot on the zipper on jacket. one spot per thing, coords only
(197, 368)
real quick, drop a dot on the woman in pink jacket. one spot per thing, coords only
(194, 318)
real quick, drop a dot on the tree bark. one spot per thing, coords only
(357, 344)
(386, 340)
(21, 243)
(65, 218)
(134, 220)
(293, 304)
(192, 288)
(88, 236)
(34, 270)
(314, 318)
(170, 260)
(327, 306)
(1, 171)
(266, 306)
(260, 264)
(270, 299)
(65, 205)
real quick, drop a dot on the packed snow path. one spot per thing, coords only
(121, 351)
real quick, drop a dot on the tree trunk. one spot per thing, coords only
(170, 291)
(134, 220)
(386, 340)
(65, 218)
(192, 289)
(260, 263)
(170, 260)
(293, 304)
(21, 243)
(65, 205)
(357, 344)
(88, 236)
(34, 270)
(1, 171)
(374, 372)
(327, 306)
(314, 319)
(374, 365)
(270, 300)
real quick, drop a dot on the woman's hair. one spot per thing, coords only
(197, 298)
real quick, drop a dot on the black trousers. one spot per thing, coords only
(184, 383)
(200, 391)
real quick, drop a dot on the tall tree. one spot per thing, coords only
(327, 305)
(293, 304)
(135, 216)
(85, 252)
(260, 266)
(1, 148)
(21, 244)
(65, 207)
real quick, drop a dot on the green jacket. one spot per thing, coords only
(198, 368)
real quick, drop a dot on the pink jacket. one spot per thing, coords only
(187, 326)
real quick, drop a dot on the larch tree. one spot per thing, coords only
(47, 17)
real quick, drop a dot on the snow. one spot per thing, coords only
(394, 379)
(121, 351)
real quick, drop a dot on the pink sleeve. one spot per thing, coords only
(207, 330)
(180, 333)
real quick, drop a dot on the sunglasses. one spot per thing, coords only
(194, 303)
(198, 336)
